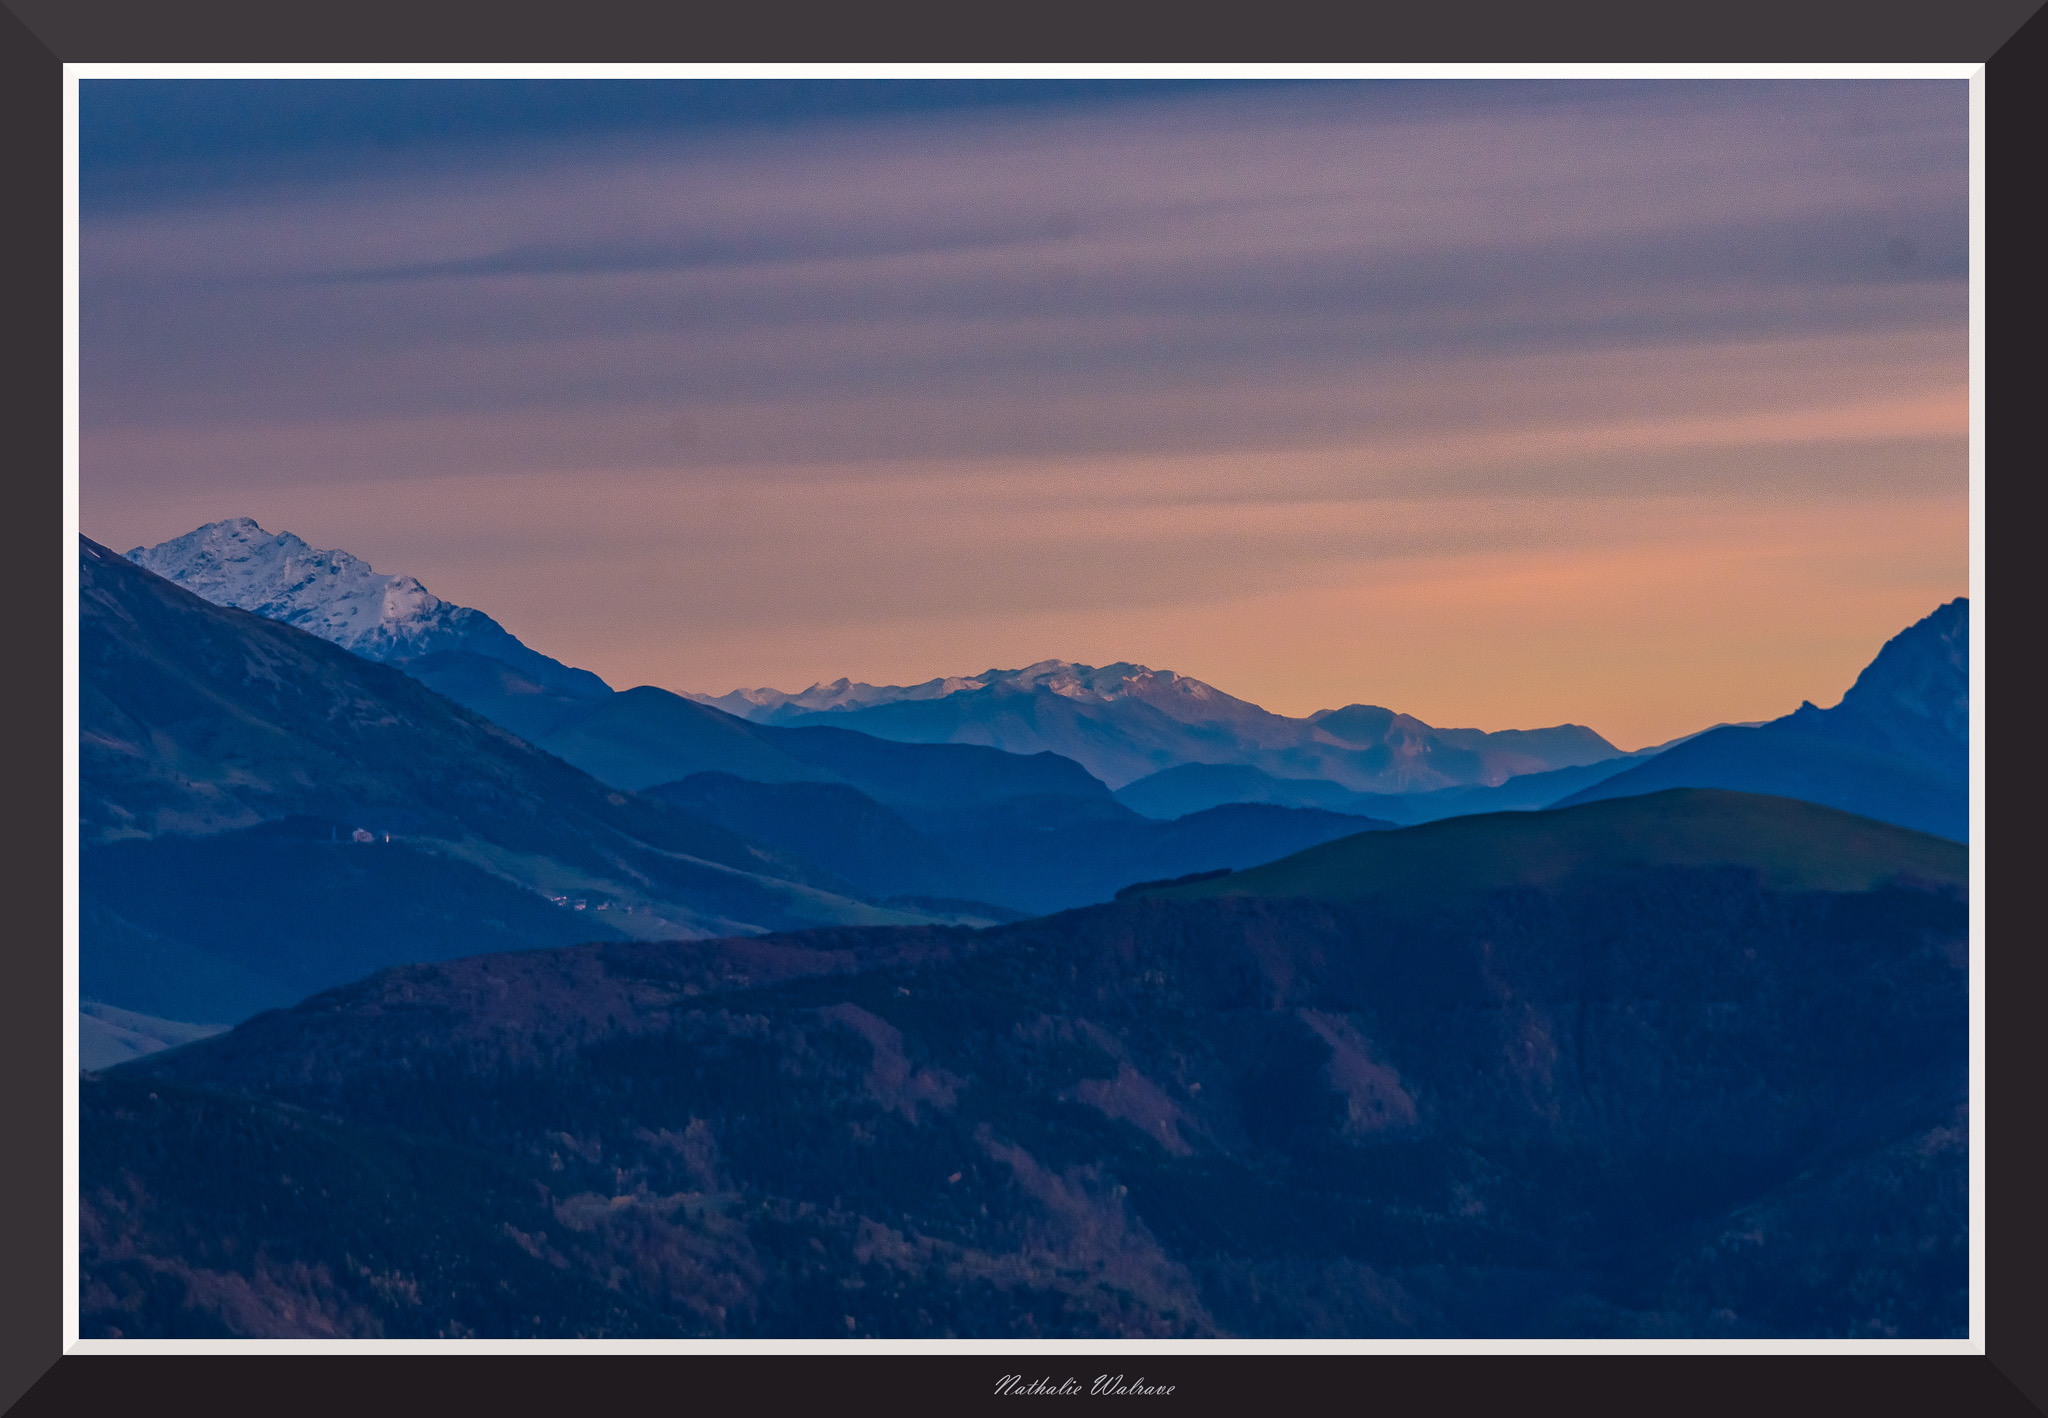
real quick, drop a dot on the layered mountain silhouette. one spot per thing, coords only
(1688, 1063)
(1192, 787)
(1033, 853)
(228, 762)
(1169, 745)
(1896, 748)
(1119, 722)
(1677, 1060)
(227, 779)
(961, 822)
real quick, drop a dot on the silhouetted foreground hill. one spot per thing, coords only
(1641, 1094)
(206, 730)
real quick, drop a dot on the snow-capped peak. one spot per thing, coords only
(1086, 683)
(339, 597)
(329, 593)
(1122, 680)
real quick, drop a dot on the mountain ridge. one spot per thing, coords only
(1896, 747)
(1121, 722)
(199, 722)
(1124, 722)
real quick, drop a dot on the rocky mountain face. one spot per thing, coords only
(1912, 701)
(1638, 1096)
(1896, 748)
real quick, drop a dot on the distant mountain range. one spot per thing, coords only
(230, 760)
(1683, 1064)
(1120, 722)
(1124, 722)
(1168, 744)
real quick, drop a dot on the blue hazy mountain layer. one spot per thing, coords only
(201, 725)
(213, 929)
(639, 737)
(1033, 853)
(108, 1036)
(206, 727)
(1896, 748)
(936, 773)
(1050, 854)
(834, 824)
(1193, 787)
(1779, 760)
(484, 637)
(1122, 737)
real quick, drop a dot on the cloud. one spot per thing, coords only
(1186, 243)
(857, 385)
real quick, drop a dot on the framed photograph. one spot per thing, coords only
(1094, 730)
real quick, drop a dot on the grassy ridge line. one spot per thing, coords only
(1793, 845)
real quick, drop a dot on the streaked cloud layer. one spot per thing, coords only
(1635, 404)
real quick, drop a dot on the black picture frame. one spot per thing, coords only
(38, 36)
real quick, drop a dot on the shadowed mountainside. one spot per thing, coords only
(200, 724)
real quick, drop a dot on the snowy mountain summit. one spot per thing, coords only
(341, 598)
(1126, 721)
(1084, 683)
(1109, 683)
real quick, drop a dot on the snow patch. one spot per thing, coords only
(341, 598)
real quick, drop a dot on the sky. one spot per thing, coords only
(1635, 404)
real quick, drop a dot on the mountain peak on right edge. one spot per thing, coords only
(1896, 748)
(1913, 699)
